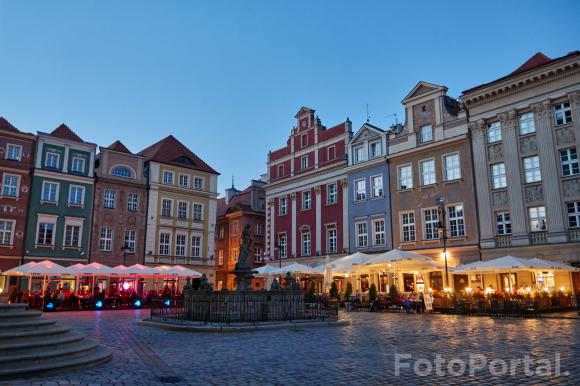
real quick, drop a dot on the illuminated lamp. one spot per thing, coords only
(167, 302)
(99, 304)
(50, 306)
(126, 286)
(137, 303)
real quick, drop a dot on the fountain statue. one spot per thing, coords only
(242, 271)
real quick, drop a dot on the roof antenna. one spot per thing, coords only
(233, 181)
(368, 115)
(394, 115)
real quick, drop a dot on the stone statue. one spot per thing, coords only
(275, 285)
(243, 272)
(205, 285)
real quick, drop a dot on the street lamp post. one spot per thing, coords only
(442, 225)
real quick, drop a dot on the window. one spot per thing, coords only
(257, 253)
(132, 202)
(72, 235)
(259, 229)
(503, 223)
(235, 255)
(45, 233)
(304, 162)
(283, 245)
(532, 169)
(222, 232)
(6, 232)
(527, 124)
(562, 113)
(122, 171)
(282, 205)
(493, 132)
(306, 200)
(13, 152)
(331, 194)
(537, 217)
(182, 210)
(195, 246)
(360, 190)
(306, 243)
(180, 244)
(569, 162)
(330, 153)
(379, 232)
(408, 226)
(303, 140)
(164, 244)
(377, 186)
(51, 160)
(428, 172)
(357, 154)
(198, 183)
(456, 221)
(184, 180)
(375, 149)
(331, 240)
(166, 206)
(10, 185)
(78, 165)
(573, 214)
(109, 199)
(362, 238)
(236, 228)
(76, 195)
(452, 167)
(197, 212)
(426, 133)
(498, 178)
(221, 257)
(431, 221)
(405, 177)
(167, 177)
(280, 171)
(49, 191)
(130, 240)
(106, 239)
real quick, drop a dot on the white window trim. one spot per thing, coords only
(188, 180)
(56, 196)
(331, 227)
(46, 159)
(373, 224)
(185, 249)
(114, 199)
(355, 190)
(302, 200)
(423, 210)
(402, 225)
(448, 220)
(12, 232)
(171, 212)
(192, 210)
(82, 204)
(7, 152)
(75, 221)
(200, 245)
(399, 167)
(285, 236)
(134, 241)
(186, 210)
(202, 182)
(328, 202)
(362, 155)
(421, 162)
(357, 234)
(133, 174)
(46, 218)
(280, 213)
(170, 233)
(503, 179)
(372, 187)
(18, 179)
(304, 165)
(444, 165)
(136, 202)
(379, 144)
(79, 159)
(172, 177)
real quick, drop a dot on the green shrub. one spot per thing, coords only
(373, 293)
(393, 293)
(348, 291)
(334, 291)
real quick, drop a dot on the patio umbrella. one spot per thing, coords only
(93, 269)
(396, 255)
(553, 265)
(142, 271)
(179, 271)
(266, 270)
(296, 268)
(354, 259)
(44, 268)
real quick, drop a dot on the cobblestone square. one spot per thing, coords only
(360, 354)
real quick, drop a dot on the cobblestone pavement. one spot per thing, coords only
(360, 354)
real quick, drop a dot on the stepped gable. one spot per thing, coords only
(172, 152)
(31, 344)
(5, 125)
(118, 146)
(64, 132)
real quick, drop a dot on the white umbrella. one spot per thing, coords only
(266, 270)
(22, 270)
(178, 270)
(354, 259)
(501, 264)
(93, 269)
(296, 268)
(141, 270)
(396, 255)
(553, 265)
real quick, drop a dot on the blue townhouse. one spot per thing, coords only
(369, 202)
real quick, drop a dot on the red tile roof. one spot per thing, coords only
(172, 152)
(63, 132)
(118, 146)
(5, 125)
(241, 201)
(537, 60)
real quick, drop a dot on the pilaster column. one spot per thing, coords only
(294, 233)
(515, 188)
(486, 227)
(65, 160)
(550, 177)
(345, 240)
(271, 230)
(317, 193)
(575, 106)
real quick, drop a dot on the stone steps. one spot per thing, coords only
(29, 343)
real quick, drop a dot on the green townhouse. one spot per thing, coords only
(61, 200)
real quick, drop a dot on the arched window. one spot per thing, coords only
(122, 171)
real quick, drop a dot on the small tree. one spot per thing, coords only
(373, 293)
(393, 294)
(347, 291)
(311, 296)
(334, 291)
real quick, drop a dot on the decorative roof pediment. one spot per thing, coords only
(367, 131)
(423, 88)
(303, 111)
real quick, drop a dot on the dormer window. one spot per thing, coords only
(122, 171)
(358, 154)
(426, 133)
(375, 149)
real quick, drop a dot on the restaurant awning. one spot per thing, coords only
(93, 269)
(43, 268)
(266, 270)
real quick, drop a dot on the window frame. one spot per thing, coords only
(164, 245)
(306, 240)
(430, 229)
(362, 238)
(493, 132)
(500, 178)
(181, 248)
(181, 213)
(400, 177)
(331, 241)
(525, 119)
(573, 215)
(282, 206)
(329, 194)
(163, 208)
(82, 199)
(108, 237)
(565, 109)
(503, 223)
(306, 199)
(15, 146)
(422, 133)
(381, 189)
(167, 173)
(51, 153)
(461, 223)
(572, 164)
(11, 187)
(376, 232)
(432, 172)
(360, 195)
(7, 232)
(72, 164)
(130, 202)
(408, 227)
(194, 211)
(129, 244)
(56, 192)
(107, 200)
(454, 168)
(537, 217)
(533, 174)
(196, 247)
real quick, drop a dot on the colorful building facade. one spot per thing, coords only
(307, 192)
(120, 207)
(369, 217)
(61, 199)
(181, 207)
(234, 211)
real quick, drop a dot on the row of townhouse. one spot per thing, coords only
(63, 202)
(496, 169)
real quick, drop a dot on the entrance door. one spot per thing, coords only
(408, 282)
(460, 282)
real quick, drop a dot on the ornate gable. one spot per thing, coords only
(423, 88)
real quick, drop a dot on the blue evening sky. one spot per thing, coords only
(227, 77)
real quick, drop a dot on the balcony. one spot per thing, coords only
(179, 260)
(537, 238)
(574, 234)
(503, 241)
